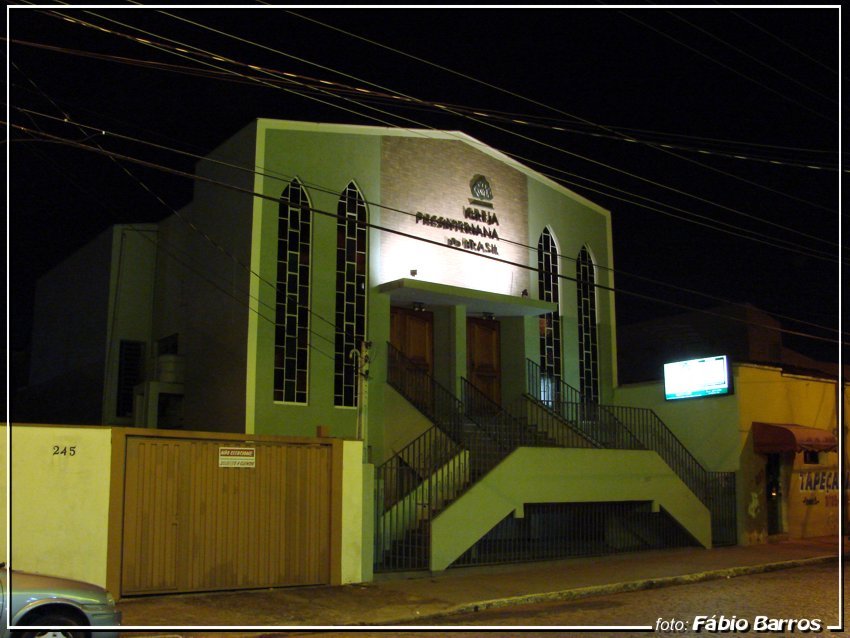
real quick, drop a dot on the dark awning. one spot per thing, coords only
(784, 437)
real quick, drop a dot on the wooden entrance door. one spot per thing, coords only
(483, 354)
(412, 334)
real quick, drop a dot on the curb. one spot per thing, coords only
(613, 588)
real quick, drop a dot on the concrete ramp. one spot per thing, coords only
(562, 475)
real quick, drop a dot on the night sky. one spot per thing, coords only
(724, 117)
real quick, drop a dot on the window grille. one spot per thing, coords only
(292, 316)
(550, 323)
(351, 282)
(588, 351)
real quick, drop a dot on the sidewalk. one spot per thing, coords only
(395, 599)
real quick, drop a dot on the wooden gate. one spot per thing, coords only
(203, 515)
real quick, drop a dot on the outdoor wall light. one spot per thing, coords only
(487, 315)
(413, 272)
(418, 306)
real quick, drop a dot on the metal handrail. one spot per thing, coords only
(413, 489)
(549, 389)
(439, 404)
(504, 427)
(622, 427)
(550, 423)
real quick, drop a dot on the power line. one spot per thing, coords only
(784, 43)
(67, 119)
(728, 68)
(267, 71)
(405, 235)
(217, 57)
(610, 130)
(287, 178)
(520, 119)
(537, 141)
(320, 188)
(752, 57)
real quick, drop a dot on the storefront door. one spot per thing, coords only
(773, 484)
(483, 354)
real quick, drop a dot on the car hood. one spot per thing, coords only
(23, 583)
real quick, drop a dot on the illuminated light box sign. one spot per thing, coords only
(696, 378)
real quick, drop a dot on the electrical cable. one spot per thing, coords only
(403, 234)
(752, 57)
(287, 178)
(784, 43)
(67, 119)
(498, 128)
(518, 119)
(728, 68)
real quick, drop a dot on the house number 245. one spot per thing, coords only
(64, 450)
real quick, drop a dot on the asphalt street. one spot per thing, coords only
(804, 593)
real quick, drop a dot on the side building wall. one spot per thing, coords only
(60, 492)
(211, 260)
(77, 510)
(84, 309)
(807, 507)
(718, 432)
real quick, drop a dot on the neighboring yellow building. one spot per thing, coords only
(778, 429)
(789, 456)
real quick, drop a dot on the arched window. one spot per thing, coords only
(550, 323)
(292, 318)
(588, 350)
(351, 268)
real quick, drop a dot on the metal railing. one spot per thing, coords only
(471, 436)
(558, 429)
(549, 531)
(423, 478)
(549, 389)
(411, 487)
(505, 428)
(613, 426)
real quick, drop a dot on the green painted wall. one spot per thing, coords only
(574, 223)
(559, 475)
(519, 342)
(325, 165)
(403, 424)
(353, 510)
(707, 427)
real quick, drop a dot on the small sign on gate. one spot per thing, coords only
(237, 457)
